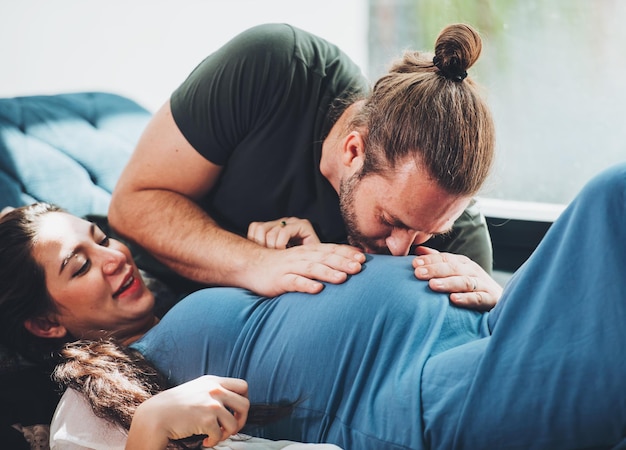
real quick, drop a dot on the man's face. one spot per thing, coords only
(390, 213)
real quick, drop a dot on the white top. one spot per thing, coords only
(75, 427)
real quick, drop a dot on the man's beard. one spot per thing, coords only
(346, 206)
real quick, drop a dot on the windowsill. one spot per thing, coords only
(516, 228)
(501, 276)
(518, 210)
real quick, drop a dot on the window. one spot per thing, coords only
(554, 77)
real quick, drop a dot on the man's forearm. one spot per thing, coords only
(183, 237)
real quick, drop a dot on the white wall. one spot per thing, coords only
(144, 48)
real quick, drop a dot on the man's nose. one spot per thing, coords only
(400, 241)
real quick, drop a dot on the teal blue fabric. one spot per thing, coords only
(382, 362)
(552, 375)
(352, 356)
(66, 149)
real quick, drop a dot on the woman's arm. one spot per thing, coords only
(209, 405)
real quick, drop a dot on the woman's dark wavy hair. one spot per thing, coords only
(23, 292)
(116, 379)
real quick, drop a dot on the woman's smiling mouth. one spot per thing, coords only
(125, 286)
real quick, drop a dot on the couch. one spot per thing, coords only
(66, 149)
(69, 150)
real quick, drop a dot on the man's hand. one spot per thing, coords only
(298, 262)
(302, 268)
(283, 233)
(468, 284)
(215, 406)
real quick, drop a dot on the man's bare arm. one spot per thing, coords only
(154, 205)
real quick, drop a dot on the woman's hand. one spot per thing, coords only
(468, 284)
(215, 406)
(283, 233)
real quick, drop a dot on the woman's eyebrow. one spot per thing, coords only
(66, 260)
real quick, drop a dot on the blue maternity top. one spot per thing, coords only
(382, 362)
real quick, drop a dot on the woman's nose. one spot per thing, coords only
(400, 241)
(112, 261)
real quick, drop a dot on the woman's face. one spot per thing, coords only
(92, 280)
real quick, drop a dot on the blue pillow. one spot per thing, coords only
(66, 149)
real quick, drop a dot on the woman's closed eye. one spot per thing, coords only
(83, 269)
(104, 242)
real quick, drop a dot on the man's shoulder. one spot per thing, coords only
(272, 37)
(282, 40)
(276, 32)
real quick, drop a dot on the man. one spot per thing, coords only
(278, 127)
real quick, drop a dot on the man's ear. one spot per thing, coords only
(45, 327)
(353, 151)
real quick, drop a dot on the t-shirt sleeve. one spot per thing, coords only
(230, 93)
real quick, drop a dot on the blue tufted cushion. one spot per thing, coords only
(66, 149)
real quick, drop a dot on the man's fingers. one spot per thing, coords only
(421, 250)
(299, 283)
(307, 275)
(450, 284)
(280, 271)
(467, 291)
(479, 301)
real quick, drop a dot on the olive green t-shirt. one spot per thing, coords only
(260, 107)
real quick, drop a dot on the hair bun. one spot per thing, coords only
(457, 48)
